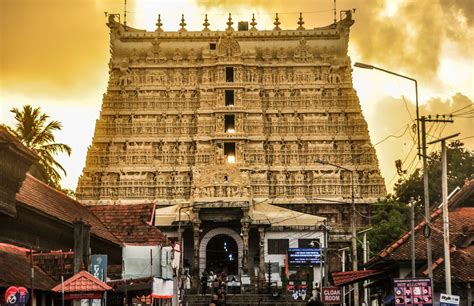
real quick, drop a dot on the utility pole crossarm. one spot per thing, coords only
(437, 120)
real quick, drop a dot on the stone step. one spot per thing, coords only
(245, 300)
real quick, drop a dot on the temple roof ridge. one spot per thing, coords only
(347, 22)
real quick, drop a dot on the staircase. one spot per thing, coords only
(247, 299)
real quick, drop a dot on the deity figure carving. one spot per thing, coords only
(178, 78)
(192, 78)
(125, 78)
(228, 46)
(267, 54)
(281, 54)
(303, 53)
(177, 55)
(206, 77)
(134, 58)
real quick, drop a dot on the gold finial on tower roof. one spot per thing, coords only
(182, 24)
(206, 24)
(277, 23)
(229, 23)
(300, 22)
(253, 23)
(159, 24)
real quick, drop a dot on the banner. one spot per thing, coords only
(99, 267)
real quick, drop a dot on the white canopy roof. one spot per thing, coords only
(260, 213)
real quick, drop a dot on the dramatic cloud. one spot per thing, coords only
(408, 37)
(52, 47)
(398, 117)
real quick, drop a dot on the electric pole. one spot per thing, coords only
(426, 194)
(444, 188)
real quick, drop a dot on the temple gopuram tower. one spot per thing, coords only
(223, 121)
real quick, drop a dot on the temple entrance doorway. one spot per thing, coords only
(216, 251)
(222, 255)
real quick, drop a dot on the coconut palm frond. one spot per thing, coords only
(33, 130)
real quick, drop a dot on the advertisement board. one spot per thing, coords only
(412, 291)
(304, 257)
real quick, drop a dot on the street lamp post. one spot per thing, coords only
(423, 154)
(353, 226)
(320, 262)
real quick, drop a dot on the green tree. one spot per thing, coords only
(460, 167)
(390, 220)
(391, 217)
(33, 130)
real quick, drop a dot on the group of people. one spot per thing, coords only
(218, 283)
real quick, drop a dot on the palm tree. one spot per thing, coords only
(33, 130)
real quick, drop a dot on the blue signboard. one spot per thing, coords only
(99, 267)
(304, 257)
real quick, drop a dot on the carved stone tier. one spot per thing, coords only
(234, 115)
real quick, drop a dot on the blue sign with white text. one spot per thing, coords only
(304, 257)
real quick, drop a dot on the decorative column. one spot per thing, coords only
(181, 242)
(196, 236)
(261, 264)
(245, 239)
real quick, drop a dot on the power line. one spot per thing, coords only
(393, 136)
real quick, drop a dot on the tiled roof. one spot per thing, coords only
(461, 237)
(130, 223)
(15, 269)
(462, 266)
(83, 282)
(400, 250)
(461, 222)
(349, 277)
(39, 196)
(56, 263)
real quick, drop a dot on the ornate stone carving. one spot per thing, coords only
(228, 46)
(163, 117)
(303, 53)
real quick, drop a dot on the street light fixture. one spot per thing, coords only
(425, 164)
(367, 66)
(353, 226)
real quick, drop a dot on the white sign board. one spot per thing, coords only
(448, 300)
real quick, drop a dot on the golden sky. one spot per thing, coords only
(54, 54)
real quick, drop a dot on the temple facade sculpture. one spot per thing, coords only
(234, 116)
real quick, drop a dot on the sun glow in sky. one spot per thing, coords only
(54, 54)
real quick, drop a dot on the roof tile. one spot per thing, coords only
(37, 195)
(83, 282)
(130, 223)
